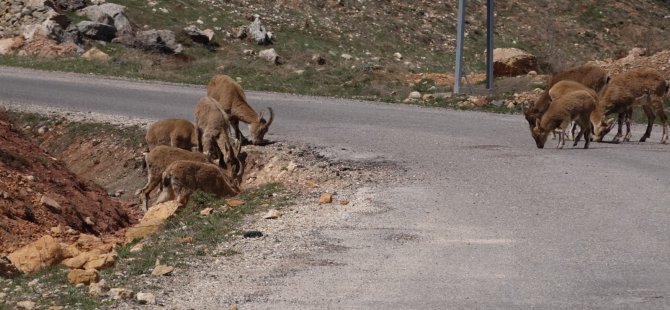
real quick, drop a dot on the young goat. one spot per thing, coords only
(575, 106)
(183, 177)
(231, 99)
(157, 160)
(173, 132)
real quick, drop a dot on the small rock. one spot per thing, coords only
(272, 214)
(206, 211)
(146, 298)
(89, 221)
(162, 270)
(326, 198)
(2, 296)
(52, 204)
(252, 234)
(346, 56)
(56, 230)
(427, 97)
(26, 304)
(77, 276)
(56, 308)
(270, 55)
(137, 248)
(415, 95)
(397, 56)
(234, 202)
(120, 293)
(98, 289)
(96, 54)
(233, 307)
(42, 130)
(344, 202)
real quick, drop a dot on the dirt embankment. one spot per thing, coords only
(40, 195)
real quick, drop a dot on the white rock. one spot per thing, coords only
(346, 56)
(26, 304)
(415, 95)
(146, 298)
(397, 56)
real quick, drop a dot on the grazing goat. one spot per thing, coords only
(157, 160)
(641, 86)
(231, 99)
(590, 76)
(183, 177)
(598, 123)
(213, 132)
(576, 106)
(178, 133)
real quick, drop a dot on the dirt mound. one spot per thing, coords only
(38, 192)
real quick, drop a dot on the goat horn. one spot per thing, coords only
(271, 117)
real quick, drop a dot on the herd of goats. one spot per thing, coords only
(184, 157)
(586, 95)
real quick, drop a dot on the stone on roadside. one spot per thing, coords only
(512, 62)
(414, 95)
(95, 54)
(146, 298)
(9, 45)
(162, 270)
(232, 202)
(99, 288)
(272, 214)
(326, 198)
(120, 293)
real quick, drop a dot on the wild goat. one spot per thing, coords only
(231, 99)
(157, 160)
(590, 76)
(644, 86)
(178, 133)
(576, 106)
(183, 177)
(213, 131)
(598, 123)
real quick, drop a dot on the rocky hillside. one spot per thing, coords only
(369, 49)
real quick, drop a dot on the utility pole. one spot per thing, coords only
(459, 45)
(489, 45)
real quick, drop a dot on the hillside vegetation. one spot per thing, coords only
(361, 41)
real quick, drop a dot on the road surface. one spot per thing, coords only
(489, 221)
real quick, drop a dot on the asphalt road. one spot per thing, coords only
(485, 220)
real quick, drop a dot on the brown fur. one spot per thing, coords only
(575, 106)
(588, 75)
(600, 126)
(181, 178)
(231, 99)
(178, 133)
(641, 86)
(157, 160)
(213, 131)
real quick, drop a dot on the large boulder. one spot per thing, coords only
(258, 32)
(111, 14)
(70, 5)
(158, 40)
(512, 62)
(46, 251)
(97, 31)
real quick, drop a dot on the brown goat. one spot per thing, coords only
(183, 177)
(213, 131)
(572, 106)
(157, 160)
(230, 97)
(589, 75)
(178, 133)
(641, 86)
